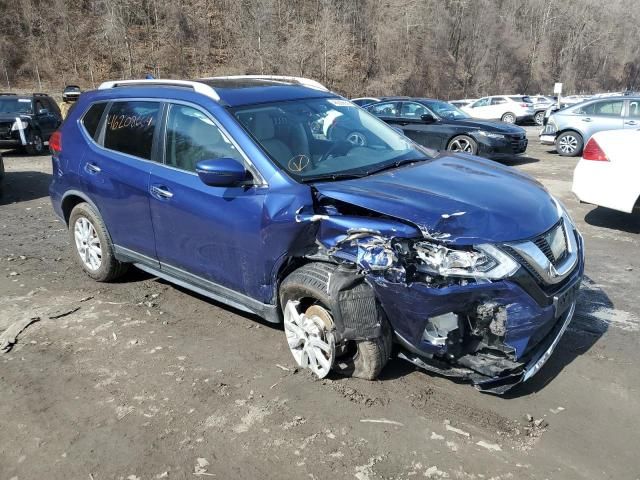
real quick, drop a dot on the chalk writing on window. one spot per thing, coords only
(117, 122)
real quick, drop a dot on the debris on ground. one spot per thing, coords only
(62, 313)
(9, 337)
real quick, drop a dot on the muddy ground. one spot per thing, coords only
(141, 379)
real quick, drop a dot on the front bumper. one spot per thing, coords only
(498, 149)
(13, 139)
(536, 318)
(547, 139)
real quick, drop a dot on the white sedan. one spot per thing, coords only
(608, 172)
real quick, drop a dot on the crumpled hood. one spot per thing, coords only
(459, 198)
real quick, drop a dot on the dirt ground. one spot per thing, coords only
(144, 380)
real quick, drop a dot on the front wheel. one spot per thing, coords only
(569, 144)
(463, 143)
(539, 118)
(308, 325)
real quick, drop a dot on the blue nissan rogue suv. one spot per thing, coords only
(251, 190)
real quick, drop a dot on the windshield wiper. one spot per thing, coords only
(395, 164)
(333, 176)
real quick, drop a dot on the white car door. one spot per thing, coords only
(479, 109)
(498, 107)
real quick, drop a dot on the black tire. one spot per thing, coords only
(36, 145)
(363, 358)
(110, 268)
(457, 144)
(509, 117)
(539, 117)
(569, 144)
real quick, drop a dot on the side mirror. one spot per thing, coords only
(43, 111)
(427, 118)
(221, 172)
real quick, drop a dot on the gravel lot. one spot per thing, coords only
(141, 379)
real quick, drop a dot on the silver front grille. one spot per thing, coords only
(550, 257)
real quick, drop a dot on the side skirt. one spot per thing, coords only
(199, 285)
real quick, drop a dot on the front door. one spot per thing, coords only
(212, 233)
(431, 135)
(480, 109)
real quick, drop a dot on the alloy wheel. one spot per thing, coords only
(88, 243)
(310, 337)
(508, 118)
(539, 118)
(461, 145)
(357, 139)
(568, 144)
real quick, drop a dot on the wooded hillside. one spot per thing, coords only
(441, 48)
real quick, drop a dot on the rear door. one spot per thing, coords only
(632, 117)
(601, 115)
(387, 111)
(115, 171)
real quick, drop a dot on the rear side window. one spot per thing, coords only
(604, 109)
(91, 119)
(385, 109)
(129, 127)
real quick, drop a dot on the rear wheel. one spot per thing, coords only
(463, 143)
(569, 144)
(308, 325)
(36, 145)
(508, 118)
(92, 245)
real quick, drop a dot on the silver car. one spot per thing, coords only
(569, 129)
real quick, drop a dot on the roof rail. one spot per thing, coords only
(307, 82)
(196, 86)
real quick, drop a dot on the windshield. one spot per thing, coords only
(326, 138)
(15, 105)
(445, 110)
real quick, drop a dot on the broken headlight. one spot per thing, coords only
(482, 262)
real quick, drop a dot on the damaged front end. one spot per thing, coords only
(479, 313)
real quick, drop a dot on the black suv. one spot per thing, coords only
(28, 121)
(442, 126)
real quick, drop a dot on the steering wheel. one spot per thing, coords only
(341, 146)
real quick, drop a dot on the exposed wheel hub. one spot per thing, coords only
(310, 337)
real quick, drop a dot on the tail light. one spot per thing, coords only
(55, 142)
(593, 152)
(526, 105)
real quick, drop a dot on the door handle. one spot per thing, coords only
(586, 119)
(631, 122)
(161, 191)
(92, 168)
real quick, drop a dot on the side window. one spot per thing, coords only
(412, 111)
(39, 106)
(91, 119)
(130, 126)
(608, 109)
(498, 101)
(192, 136)
(483, 102)
(634, 108)
(385, 109)
(53, 107)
